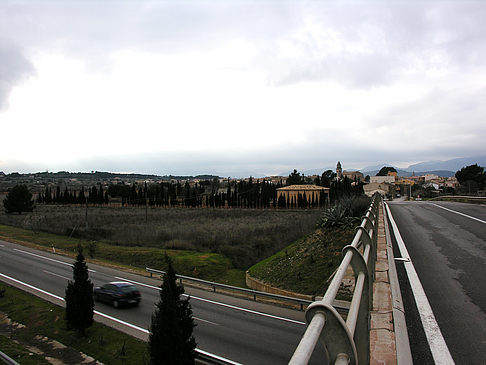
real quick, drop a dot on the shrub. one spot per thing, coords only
(346, 213)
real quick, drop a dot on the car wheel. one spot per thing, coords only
(96, 298)
(116, 304)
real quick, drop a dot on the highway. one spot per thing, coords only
(446, 244)
(240, 330)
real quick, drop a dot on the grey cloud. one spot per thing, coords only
(397, 38)
(14, 66)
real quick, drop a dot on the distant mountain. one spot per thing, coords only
(400, 172)
(441, 168)
(449, 165)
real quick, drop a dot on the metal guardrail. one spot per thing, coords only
(462, 198)
(345, 342)
(254, 293)
(7, 360)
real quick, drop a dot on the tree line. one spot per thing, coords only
(208, 193)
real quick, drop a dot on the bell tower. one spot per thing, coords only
(339, 171)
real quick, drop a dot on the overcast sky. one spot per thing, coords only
(235, 88)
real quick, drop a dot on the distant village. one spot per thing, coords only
(391, 185)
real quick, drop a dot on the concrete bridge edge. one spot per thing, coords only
(389, 342)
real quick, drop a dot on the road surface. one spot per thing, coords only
(240, 330)
(446, 242)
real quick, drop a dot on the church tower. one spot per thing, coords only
(339, 171)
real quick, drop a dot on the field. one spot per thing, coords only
(244, 236)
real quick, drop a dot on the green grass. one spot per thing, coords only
(204, 265)
(305, 265)
(43, 318)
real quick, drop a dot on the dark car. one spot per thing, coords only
(117, 293)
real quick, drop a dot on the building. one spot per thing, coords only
(339, 171)
(354, 175)
(383, 188)
(429, 177)
(312, 193)
(383, 179)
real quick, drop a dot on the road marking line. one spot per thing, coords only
(60, 276)
(221, 304)
(204, 320)
(31, 287)
(47, 258)
(453, 211)
(437, 344)
(112, 318)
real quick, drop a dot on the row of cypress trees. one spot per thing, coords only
(238, 194)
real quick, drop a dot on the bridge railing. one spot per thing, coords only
(346, 342)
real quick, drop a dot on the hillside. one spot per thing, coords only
(305, 265)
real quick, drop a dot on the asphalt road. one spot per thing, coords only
(243, 331)
(446, 242)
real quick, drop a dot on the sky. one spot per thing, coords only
(239, 88)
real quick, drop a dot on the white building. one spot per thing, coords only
(382, 179)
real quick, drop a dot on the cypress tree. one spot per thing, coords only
(170, 340)
(18, 200)
(79, 297)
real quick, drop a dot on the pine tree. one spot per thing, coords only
(170, 340)
(79, 297)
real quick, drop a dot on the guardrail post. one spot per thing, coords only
(358, 316)
(335, 336)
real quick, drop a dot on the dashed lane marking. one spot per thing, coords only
(47, 258)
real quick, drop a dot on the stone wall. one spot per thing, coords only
(259, 285)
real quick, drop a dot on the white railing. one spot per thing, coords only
(346, 342)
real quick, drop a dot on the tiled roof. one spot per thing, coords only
(302, 187)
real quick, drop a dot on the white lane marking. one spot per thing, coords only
(204, 320)
(112, 318)
(2, 245)
(221, 304)
(31, 287)
(59, 276)
(47, 258)
(437, 344)
(453, 211)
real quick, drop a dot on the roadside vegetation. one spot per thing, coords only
(204, 265)
(244, 236)
(306, 265)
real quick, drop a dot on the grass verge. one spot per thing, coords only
(203, 265)
(42, 318)
(305, 265)
(19, 353)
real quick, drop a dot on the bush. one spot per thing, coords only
(346, 213)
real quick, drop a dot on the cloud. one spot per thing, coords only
(269, 86)
(14, 67)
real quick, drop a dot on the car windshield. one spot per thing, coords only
(128, 288)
